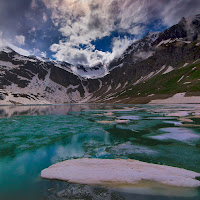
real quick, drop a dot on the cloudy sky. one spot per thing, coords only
(86, 32)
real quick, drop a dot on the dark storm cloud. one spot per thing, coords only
(66, 25)
(94, 6)
(27, 23)
(11, 12)
(81, 59)
(83, 22)
(171, 11)
(95, 22)
(20, 17)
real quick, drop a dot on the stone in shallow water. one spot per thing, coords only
(119, 171)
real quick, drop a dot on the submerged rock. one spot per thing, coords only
(119, 171)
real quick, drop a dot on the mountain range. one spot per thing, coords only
(161, 67)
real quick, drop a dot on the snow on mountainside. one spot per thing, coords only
(138, 51)
(170, 50)
(187, 30)
(33, 80)
(29, 80)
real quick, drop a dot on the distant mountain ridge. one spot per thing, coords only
(32, 80)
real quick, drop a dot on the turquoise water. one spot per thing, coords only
(34, 137)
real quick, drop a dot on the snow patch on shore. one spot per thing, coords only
(118, 171)
(178, 98)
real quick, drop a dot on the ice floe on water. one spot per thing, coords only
(184, 119)
(179, 114)
(105, 122)
(73, 132)
(121, 121)
(181, 134)
(191, 125)
(161, 118)
(119, 171)
(108, 113)
(118, 121)
(173, 122)
(126, 109)
(131, 117)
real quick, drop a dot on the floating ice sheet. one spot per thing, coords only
(180, 134)
(131, 117)
(118, 171)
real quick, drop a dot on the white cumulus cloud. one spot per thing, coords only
(20, 39)
(82, 21)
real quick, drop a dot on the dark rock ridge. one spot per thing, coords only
(32, 80)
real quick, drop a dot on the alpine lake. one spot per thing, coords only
(33, 138)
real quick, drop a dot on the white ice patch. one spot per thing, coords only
(119, 85)
(169, 41)
(169, 69)
(109, 88)
(5, 49)
(144, 54)
(181, 134)
(186, 64)
(23, 58)
(198, 44)
(196, 61)
(180, 79)
(151, 95)
(102, 171)
(50, 92)
(131, 117)
(160, 70)
(179, 114)
(144, 78)
(161, 118)
(163, 42)
(173, 122)
(178, 98)
(8, 65)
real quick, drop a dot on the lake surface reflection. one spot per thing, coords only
(34, 137)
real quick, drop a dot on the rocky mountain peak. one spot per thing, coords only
(27, 79)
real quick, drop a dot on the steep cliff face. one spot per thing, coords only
(32, 80)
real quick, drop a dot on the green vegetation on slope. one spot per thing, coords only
(185, 79)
